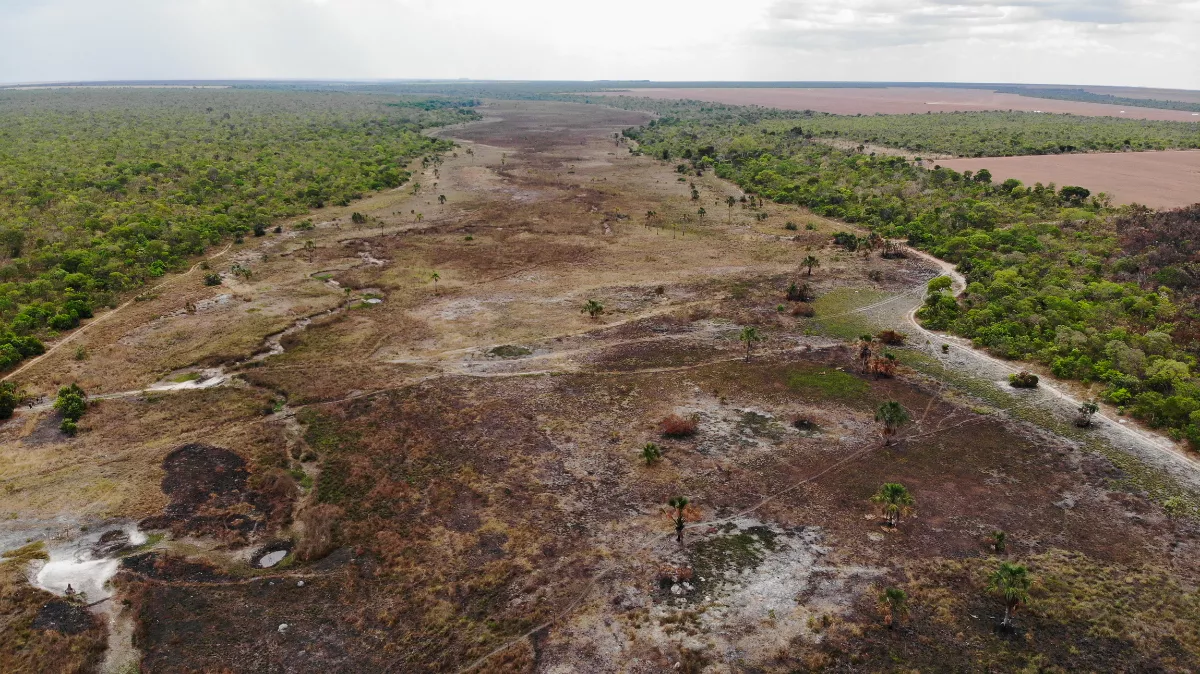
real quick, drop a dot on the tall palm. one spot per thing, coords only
(679, 503)
(1011, 582)
(730, 201)
(435, 277)
(893, 604)
(810, 262)
(750, 335)
(892, 415)
(864, 351)
(895, 500)
(592, 308)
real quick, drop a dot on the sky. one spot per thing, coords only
(1152, 43)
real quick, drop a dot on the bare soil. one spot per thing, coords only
(905, 100)
(1167, 179)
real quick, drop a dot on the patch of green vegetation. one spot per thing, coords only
(732, 552)
(186, 376)
(760, 425)
(836, 315)
(827, 383)
(510, 351)
(27, 553)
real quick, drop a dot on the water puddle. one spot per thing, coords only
(87, 564)
(272, 558)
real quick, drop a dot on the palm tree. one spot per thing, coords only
(893, 605)
(895, 501)
(730, 201)
(810, 262)
(441, 199)
(750, 335)
(308, 248)
(999, 538)
(651, 453)
(1011, 582)
(592, 308)
(678, 503)
(893, 415)
(435, 277)
(864, 351)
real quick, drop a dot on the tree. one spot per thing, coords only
(810, 262)
(939, 283)
(651, 453)
(999, 539)
(679, 503)
(1011, 582)
(864, 351)
(1086, 411)
(435, 277)
(71, 403)
(730, 201)
(308, 248)
(592, 308)
(893, 604)
(441, 199)
(892, 415)
(895, 501)
(10, 397)
(750, 335)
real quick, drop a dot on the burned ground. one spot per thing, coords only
(454, 463)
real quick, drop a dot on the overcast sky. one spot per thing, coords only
(1121, 42)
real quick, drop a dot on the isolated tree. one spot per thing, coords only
(730, 201)
(308, 249)
(892, 415)
(71, 403)
(435, 277)
(592, 308)
(750, 335)
(893, 604)
(895, 501)
(651, 453)
(999, 540)
(679, 503)
(810, 262)
(442, 199)
(1086, 411)
(864, 351)
(1011, 582)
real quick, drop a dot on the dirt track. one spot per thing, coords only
(866, 101)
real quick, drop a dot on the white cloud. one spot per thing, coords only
(1146, 42)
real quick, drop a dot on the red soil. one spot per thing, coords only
(1159, 179)
(851, 101)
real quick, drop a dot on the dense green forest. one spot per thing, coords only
(1055, 275)
(963, 134)
(104, 189)
(1085, 96)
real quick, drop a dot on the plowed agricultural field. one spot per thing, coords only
(1159, 179)
(903, 100)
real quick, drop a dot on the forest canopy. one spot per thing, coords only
(1058, 276)
(104, 189)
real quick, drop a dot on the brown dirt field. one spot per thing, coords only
(1167, 179)
(868, 101)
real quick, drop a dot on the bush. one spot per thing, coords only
(1023, 379)
(68, 427)
(798, 292)
(675, 426)
(212, 279)
(318, 522)
(791, 227)
(891, 337)
(10, 397)
(803, 309)
(71, 404)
